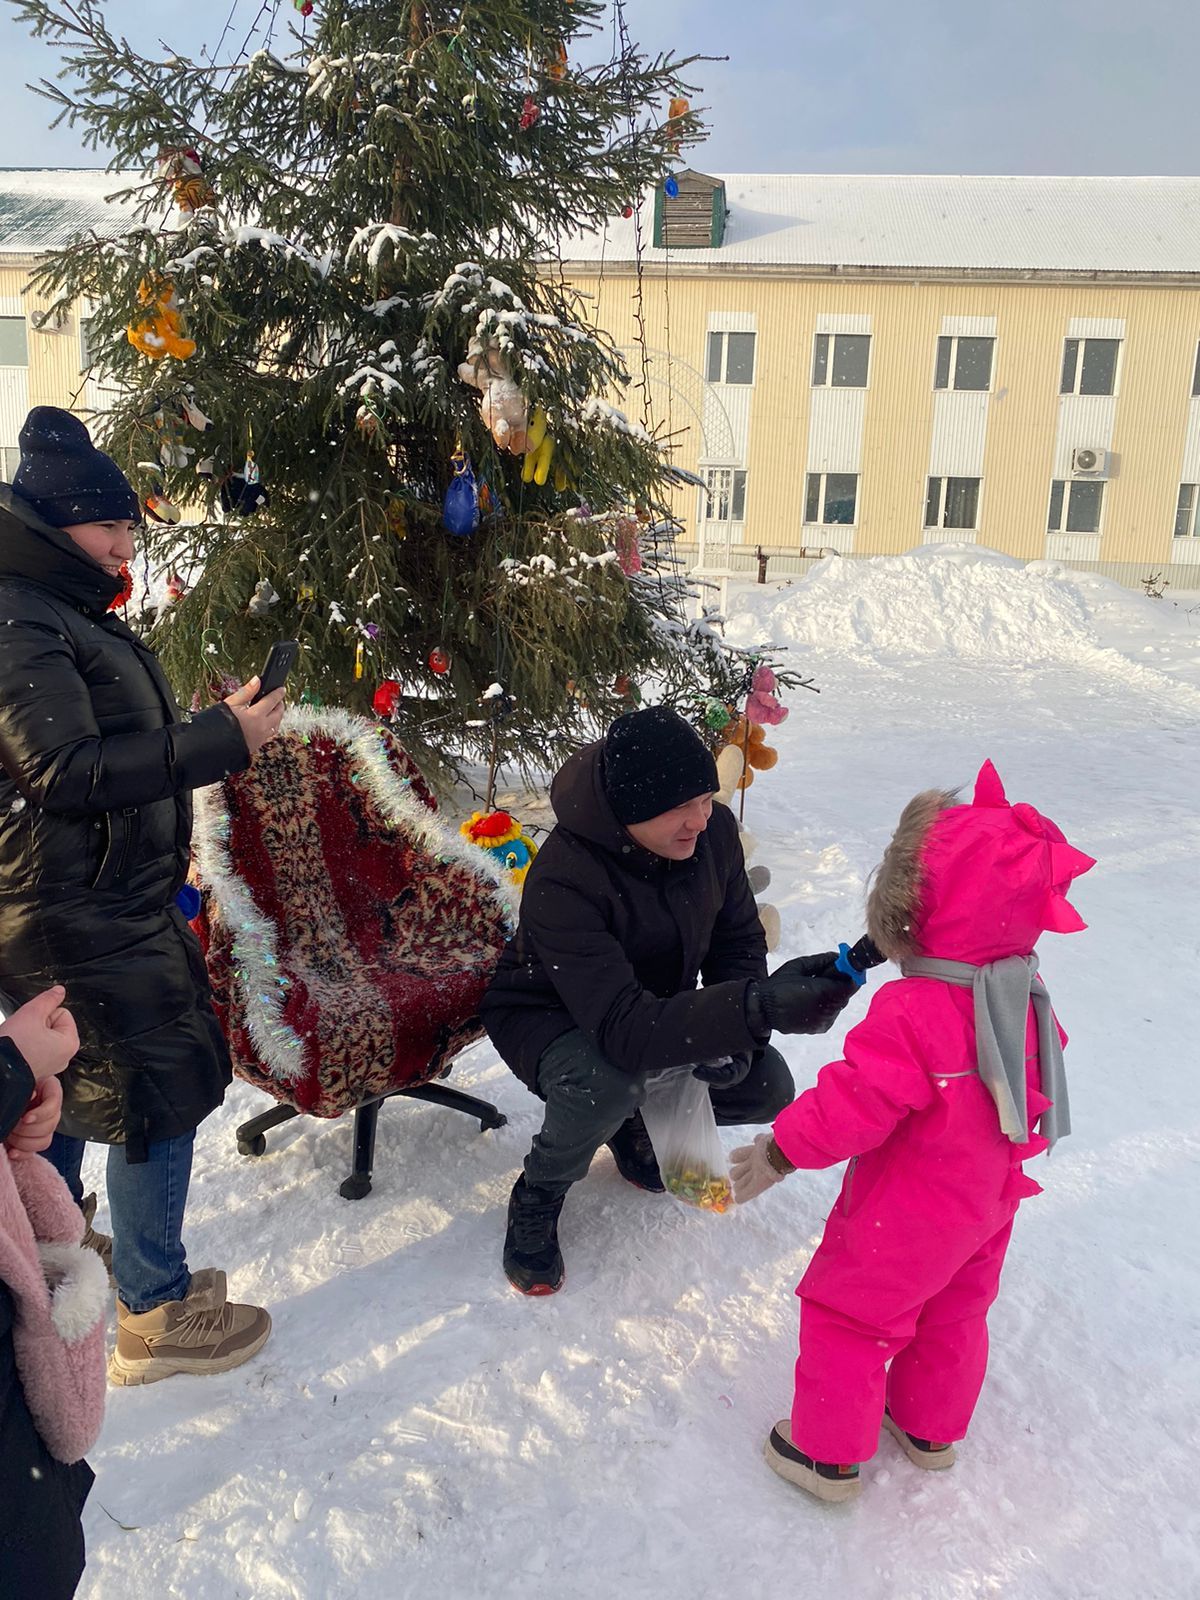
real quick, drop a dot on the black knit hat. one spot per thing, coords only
(65, 478)
(654, 761)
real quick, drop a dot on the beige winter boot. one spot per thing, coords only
(200, 1334)
(101, 1243)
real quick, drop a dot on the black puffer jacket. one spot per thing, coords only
(96, 767)
(613, 940)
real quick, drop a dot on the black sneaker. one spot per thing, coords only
(532, 1259)
(826, 1480)
(634, 1155)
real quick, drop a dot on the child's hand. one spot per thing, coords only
(36, 1128)
(752, 1170)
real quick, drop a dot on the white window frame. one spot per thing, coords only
(718, 494)
(724, 335)
(1080, 354)
(1192, 530)
(954, 340)
(943, 483)
(1069, 485)
(831, 360)
(8, 451)
(821, 499)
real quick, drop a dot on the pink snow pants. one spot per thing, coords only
(938, 1354)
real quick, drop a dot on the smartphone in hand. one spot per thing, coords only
(279, 663)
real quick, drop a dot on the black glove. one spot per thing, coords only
(802, 996)
(725, 1073)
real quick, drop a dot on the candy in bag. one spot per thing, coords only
(679, 1118)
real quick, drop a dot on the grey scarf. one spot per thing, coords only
(1002, 992)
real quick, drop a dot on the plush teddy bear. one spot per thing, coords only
(751, 752)
(502, 406)
(160, 333)
(762, 706)
(731, 769)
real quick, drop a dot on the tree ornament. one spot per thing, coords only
(160, 332)
(263, 598)
(539, 450)
(439, 661)
(629, 548)
(306, 594)
(191, 188)
(717, 715)
(189, 902)
(397, 519)
(501, 837)
(763, 706)
(176, 588)
(160, 509)
(556, 63)
(386, 698)
(304, 7)
(126, 593)
(502, 407)
(627, 210)
(360, 662)
(530, 114)
(242, 496)
(676, 111)
(460, 506)
(193, 415)
(671, 187)
(746, 744)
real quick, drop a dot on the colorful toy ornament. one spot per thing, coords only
(502, 407)
(192, 190)
(439, 661)
(386, 698)
(126, 593)
(176, 588)
(671, 187)
(530, 114)
(763, 706)
(556, 63)
(160, 509)
(304, 7)
(160, 332)
(500, 835)
(263, 598)
(460, 506)
(242, 496)
(539, 450)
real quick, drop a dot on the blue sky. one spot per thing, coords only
(1037, 86)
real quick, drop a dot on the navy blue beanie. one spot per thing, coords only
(653, 762)
(65, 478)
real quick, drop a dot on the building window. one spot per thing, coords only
(831, 497)
(963, 363)
(952, 503)
(1185, 512)
(14, 347)
(10, 460)
(87, 353)
(841, 360)
(1196, 373)
(1090, 366)
(730, 358)
(1082, 505)
(725, 494)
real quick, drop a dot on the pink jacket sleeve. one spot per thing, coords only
(858, 1101)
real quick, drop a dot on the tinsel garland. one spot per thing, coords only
(256, 964)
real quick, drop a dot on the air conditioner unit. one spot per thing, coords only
(1089, 460)
(56, 320)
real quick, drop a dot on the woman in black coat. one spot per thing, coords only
(96, 768)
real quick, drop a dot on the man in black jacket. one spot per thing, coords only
(639, 894)
(97, 765)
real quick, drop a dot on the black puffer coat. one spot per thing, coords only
(614, 940)
(96, 767)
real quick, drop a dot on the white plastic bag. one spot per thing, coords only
(679, 1118)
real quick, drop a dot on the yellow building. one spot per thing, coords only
(861, 364)
(868, 363)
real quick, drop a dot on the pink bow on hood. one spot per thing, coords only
(975, 882)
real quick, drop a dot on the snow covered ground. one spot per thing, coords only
(414, 1428)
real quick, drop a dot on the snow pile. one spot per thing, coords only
(961, 601)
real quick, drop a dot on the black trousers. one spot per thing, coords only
(587, 1100)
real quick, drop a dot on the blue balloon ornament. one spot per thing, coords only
(671, 187)
(189, 902)
(460, 508)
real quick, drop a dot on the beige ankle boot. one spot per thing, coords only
(201, 1333)
(101, 1243)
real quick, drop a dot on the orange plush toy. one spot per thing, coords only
(752, 745)
(160, 332)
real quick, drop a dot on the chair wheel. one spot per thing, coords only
(255, 1145)
(355, 1188)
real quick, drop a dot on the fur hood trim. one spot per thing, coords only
(895, 893)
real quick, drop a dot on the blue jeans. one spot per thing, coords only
(146, 1201)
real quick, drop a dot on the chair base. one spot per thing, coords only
(251, 1136)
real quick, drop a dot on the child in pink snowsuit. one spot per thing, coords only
(936, 1100)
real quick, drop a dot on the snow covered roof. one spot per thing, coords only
(824, 222)
(42, 208)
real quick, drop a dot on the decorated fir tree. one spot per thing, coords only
(338, 330)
